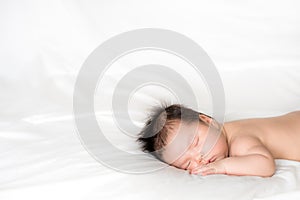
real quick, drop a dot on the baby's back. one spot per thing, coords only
(280, 135)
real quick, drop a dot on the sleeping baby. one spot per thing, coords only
(176, 135)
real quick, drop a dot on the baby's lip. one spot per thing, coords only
(211, 160)
(204, 162)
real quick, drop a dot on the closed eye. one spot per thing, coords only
(189, 163)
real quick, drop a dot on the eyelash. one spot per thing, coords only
(188, 165)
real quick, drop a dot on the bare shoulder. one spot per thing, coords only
(293, 117)
(294, 114)
(297, 112)
(245, 144)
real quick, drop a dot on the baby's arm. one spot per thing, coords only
(252, 159)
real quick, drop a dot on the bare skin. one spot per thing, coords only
(245, 147)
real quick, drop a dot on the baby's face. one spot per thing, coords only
(185, 150)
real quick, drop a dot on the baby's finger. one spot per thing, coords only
(205, 170)
(199, 170)
(209, 171)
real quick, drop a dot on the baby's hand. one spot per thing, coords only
(216, 167)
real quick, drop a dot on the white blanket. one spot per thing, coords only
(45, 160)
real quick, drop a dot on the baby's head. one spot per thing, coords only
(176, 135)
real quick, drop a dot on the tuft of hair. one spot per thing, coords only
(160, 123)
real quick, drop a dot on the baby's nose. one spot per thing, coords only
(198, 157)
(200, 160)
(197, 162)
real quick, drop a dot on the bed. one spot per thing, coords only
(254, 46)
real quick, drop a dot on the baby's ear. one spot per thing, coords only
(209, 121)
(205, 119)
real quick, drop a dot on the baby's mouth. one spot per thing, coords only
(204, 162)
(211, 160)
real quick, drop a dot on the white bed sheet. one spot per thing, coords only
(53, 165)
(255, 46)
